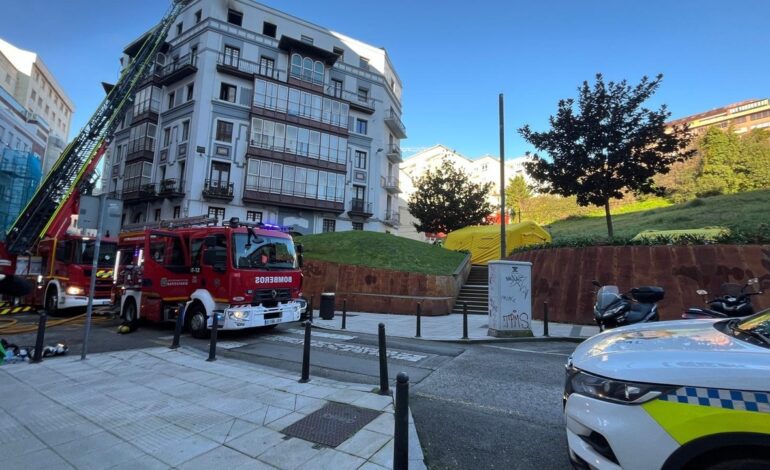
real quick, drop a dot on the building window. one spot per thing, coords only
(190, 88)
(306, 69)
(337, 88)
(361, 125)
(157, 215)
(217, 212)
(358, 225)
(266, 66)
(224, 131)
(234, 17)
(166, 136)
(179, 29)
(363, 94)
(269, 29)
(232, 56)
(171, 97)
(227, 92)
(329, 225)
(360, 160)
(198, 16)
(185, 131)
(177, 211)
(364, 63)
(253, 216)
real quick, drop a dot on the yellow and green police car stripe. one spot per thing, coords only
(689, 413)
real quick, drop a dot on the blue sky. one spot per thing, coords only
(454, 57)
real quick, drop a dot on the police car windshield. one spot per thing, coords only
(261, 252)
(757, 326)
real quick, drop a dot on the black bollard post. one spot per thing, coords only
(401, 431)
(344, 313)
(465, 320)
(306, 356)
(545, 318)
(384, 389)
(38, 355)
(178, 327)
(419, 314)
(310, 310)
(213, 343)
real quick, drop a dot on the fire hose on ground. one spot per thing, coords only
(7, 325)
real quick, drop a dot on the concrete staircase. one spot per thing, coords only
(475, 292)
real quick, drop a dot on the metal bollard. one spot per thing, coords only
(465, 320)
(545, 318)
(38, 354)
(306, 356)
(310, 310)
(178, 328)
(344, 313)
(213, 343)
(419, 314)
(384, 389)
(401, 431)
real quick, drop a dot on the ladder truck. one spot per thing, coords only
(248, 275)
(44, 259)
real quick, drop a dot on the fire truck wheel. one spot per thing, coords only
(52, 301)
(197, 315)
(129, 313)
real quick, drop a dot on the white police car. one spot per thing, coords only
(691, 394)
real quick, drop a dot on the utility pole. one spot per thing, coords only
(502, 180)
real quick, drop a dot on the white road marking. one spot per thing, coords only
(346, 347)
(230, 344)
(526, 350)
(322, 334)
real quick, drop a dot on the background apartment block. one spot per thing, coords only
(741, 117)
(25, 77)
(253, 113)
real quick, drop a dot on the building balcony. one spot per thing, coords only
(177, 70)
(356, 101)
(392, 218)
(247, 69)
(360, 208)
(394, 153)
(142, 148)
(142, 193)
(296, 199)
(395, 125)
(171, 189)
(218, 190)
(391, 184)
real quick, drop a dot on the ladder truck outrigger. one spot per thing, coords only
(44, 259)
(246, 274)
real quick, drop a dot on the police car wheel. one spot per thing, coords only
(198, 319)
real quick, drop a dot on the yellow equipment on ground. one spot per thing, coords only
(483, 241)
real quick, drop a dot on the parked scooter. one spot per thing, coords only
(613, 309)
(735, 301)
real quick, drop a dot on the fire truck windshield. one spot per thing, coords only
(84, 253)
(263, 252)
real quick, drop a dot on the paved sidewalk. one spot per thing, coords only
(442, 328)
(158, 408)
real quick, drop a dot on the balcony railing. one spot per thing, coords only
(390, 184)
(360, 207)
(394, 153)
(143, 192)
(142, 144)
(246, 68)
(170, 188)
(394, 123)
(393, 218)
(360, 102)
(215, 189)
(177, 69)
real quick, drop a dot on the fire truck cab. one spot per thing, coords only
(246, 274)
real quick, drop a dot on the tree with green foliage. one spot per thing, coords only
(755, 159)
(722, 171)
(516, 192)
(609, 146)
(445, 199)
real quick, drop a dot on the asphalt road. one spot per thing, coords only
(476, 406)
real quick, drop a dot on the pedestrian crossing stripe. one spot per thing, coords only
(17, 309)
(104, 274)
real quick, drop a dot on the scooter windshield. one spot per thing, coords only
(606, 296)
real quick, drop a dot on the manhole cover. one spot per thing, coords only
(332, 425)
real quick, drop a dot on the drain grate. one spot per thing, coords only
(332, 425)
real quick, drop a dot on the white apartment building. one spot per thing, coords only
(24, 75)
(485, 169)
(256, 114)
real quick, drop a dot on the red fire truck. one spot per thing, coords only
(247, 274)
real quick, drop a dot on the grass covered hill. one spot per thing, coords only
(380, 250)
(747, 213)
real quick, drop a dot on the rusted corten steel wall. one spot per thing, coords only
(563, 276)
(381, 290)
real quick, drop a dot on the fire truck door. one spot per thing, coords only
(170, 266)
(212, 266)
